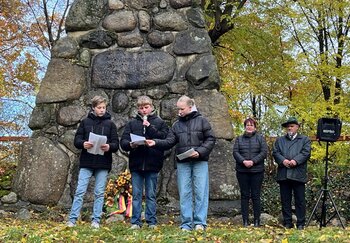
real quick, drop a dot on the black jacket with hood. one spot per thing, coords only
(144, 158)
(190, 131)
(102, 126)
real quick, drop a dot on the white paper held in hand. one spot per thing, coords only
(185, 154)
(136, 139)
(97, 141)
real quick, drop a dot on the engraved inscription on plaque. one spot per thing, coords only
(123, 70)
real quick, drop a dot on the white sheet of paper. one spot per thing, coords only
(97, 141)
(136, 139)
(185, 154)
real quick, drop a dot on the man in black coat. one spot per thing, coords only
(291, 152)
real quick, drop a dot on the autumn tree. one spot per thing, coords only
(315, 34)
(320, 31)
(28, 31)
(307, 58)
(47, 26)
(254, 67)
(17, 67)
(283, 54)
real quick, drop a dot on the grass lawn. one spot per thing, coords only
(39, 230)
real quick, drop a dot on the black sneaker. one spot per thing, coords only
(300, 227)
(288, 226)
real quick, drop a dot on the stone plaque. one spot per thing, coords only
(125, 70)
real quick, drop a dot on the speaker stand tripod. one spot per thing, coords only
(324, 194)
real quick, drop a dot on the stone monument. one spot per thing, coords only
(121, 49)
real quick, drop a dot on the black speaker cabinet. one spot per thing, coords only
(328, 129)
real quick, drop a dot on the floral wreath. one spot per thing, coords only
(118, 195)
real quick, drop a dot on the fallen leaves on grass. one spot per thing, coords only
(48, 231)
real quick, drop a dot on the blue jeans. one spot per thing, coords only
(83, 182)
(149, 179)
(193, 182)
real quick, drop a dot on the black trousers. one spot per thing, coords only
(288, 188)
(250, 188)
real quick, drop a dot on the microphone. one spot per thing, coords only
(144, 118)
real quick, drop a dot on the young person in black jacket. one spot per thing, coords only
(191, 131)
(144, 162)
(97, 165)
(250, 151)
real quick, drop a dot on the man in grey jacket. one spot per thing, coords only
(291, 152)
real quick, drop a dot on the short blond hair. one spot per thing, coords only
(144, 100)
(96, 100)
(187, 100)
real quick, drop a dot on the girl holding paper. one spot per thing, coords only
(194, 140)
(97, 122)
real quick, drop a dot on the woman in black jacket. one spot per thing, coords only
(192, 135)
(250, 151)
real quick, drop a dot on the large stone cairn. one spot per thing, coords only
(121, 50)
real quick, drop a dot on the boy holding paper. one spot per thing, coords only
(194, 141)
(144, 162)
(98, 123)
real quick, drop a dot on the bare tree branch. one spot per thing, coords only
(61, 23)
